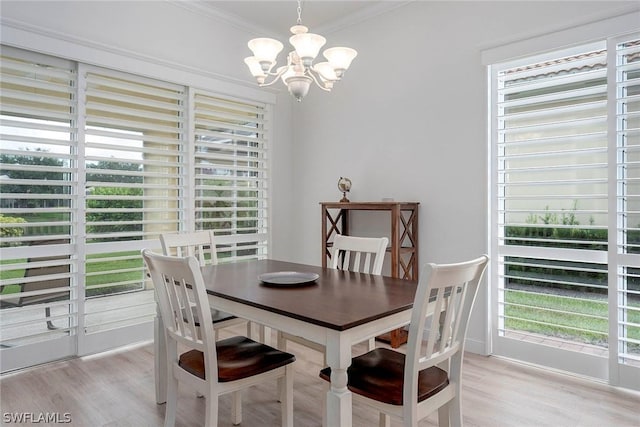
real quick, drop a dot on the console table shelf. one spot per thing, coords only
(403, 241)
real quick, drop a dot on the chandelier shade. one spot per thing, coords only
(307, 45)
(340, 58)
(265, 51)
(299, 72)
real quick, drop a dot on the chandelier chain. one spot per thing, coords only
(299, 12)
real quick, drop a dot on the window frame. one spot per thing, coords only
(607, 31)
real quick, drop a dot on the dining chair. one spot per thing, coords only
(201, 244)
(356, 254)
(211, 367)
(428, 377)
(359, 254)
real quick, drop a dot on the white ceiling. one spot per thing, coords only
(276, 17)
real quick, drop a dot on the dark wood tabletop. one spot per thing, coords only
(338, 300)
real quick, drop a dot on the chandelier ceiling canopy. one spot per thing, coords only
(300, 70)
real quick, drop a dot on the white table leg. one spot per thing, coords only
(160, 360)
(339, 401)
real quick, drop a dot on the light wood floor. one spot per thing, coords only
(116, 389)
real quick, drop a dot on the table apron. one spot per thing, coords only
(310, 331)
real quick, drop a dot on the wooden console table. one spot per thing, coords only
(403, 241)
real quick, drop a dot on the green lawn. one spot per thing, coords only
(579, 320)
(106, 273)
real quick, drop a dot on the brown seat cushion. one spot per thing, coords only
(379, 375)
(238, 357)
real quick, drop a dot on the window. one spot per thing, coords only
(552, 198)
(231, 191)
(38, 194)
(627, 138)
(96, 164)
(564, 211)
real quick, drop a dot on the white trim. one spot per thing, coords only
(25, 356)
(567, 38)
(210, 10)
(584, 364)
(114, 338)
(370, 12)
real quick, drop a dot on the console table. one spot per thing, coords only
(403, 240)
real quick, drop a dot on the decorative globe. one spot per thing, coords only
(344, 185)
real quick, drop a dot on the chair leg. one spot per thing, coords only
(385, 420)
(286, 398)
(236, 407)
(455, 411)
(172, 400)
(325, 390)
(372, 343)
(443, 415)
(281, 344)
(249, 330)
(50, 325)
(265, 334)
(211, 413)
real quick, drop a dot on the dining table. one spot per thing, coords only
(335, 308)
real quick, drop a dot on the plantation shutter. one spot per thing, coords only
(627, 135)
(37, 201)
(231, 181)
(552, 191)
(94, 165)
(133, 161)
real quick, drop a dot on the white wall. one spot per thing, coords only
(408, 122)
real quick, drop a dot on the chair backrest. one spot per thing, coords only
(48, 273)
(200, 244)
(183, 303)
(451, 289)
(359, 254)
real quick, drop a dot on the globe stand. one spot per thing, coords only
(344, 185)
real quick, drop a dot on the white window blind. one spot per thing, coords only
(94, 165)
(627, 94)
(231, 174)
(37, 197)
(133, 155)
(552, 191)
(133, 158)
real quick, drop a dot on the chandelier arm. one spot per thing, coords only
(275, 78)
(317, 82)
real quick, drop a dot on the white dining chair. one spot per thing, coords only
(211, 367)
(428, 378)
(201, 244)
(359, 254)
(356, 254)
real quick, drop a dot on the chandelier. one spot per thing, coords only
(300, 71)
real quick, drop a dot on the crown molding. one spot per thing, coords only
(371, 11)
(200, 8)
(362, 15)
